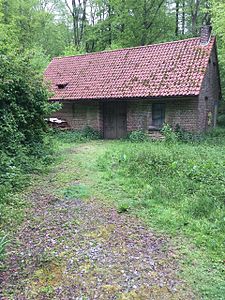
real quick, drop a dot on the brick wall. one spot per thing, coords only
(183, 112)
(80, 115)
(209, 95)
(139, 114)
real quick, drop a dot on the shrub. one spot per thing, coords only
(77, 136)
(123, 207)
(138, 136)
(90, 133)
(169, 133)
(216, 134)
(71, 136)
(188, 137)
(23, 107)
(24, 146)
(221, 120)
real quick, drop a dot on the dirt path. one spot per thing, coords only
(74, 248)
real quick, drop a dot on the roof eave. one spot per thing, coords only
(171, 97)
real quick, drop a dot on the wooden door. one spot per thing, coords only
(115, 120)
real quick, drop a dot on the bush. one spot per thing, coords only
(169, 133)
(216, 135)
(221, 120)
(77, 136)
(90, 133)
(23, 107)
(24, 146)
(138, 136)
(188, 137)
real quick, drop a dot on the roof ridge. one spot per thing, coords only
(128, 48)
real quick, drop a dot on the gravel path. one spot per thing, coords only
(82, 249)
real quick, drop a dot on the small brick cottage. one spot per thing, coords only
(116, 92)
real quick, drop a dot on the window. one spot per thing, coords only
(61, 85)
(158, 114)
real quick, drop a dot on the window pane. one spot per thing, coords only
(158, 114)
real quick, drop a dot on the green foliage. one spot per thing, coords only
(23, 106)
(3, 242)
(25, 147)
(33, 24)
(169, 134)
(176, 187)
(188, 137)
(128, 23)
(90, 133)
(47, 290)
(138, 136)
(78, 136)
(70, 50)
(123, 207)
(179, 135)
(76, 191)
(38, 59)
(218, 18)
(221, 119)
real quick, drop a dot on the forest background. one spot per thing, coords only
(43, 29)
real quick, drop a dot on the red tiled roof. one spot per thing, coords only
(168, 69)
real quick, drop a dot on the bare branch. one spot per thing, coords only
(68, 6)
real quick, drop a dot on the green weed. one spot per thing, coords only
(177, 188)
(76, 191)
(78, 136)
(138, 136)
(3, 242)
(123, 207)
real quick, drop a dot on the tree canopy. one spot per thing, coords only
(43, 29)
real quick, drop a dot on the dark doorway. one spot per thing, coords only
(158, 114)
(115, 120)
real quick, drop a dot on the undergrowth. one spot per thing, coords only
(24, 147)
(77, 136)
(17, 170)
(178, 188)
(17, 173)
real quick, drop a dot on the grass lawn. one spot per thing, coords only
(176, 188)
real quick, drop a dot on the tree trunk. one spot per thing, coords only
(83, 20)
(110, 25)
(177, 17)
(194, 16)
(145, 25)
(183, 17)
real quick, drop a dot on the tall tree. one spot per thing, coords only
(217, 12)
(77, 9)
(195, 10)
(177, 17)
